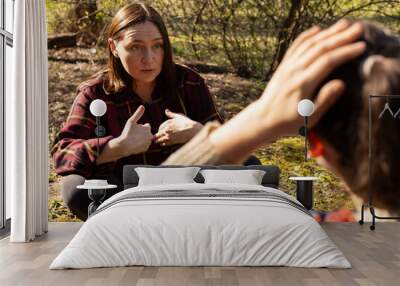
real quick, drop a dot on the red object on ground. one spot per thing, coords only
(341, 215)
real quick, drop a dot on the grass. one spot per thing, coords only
(59, 212)
(288, 155)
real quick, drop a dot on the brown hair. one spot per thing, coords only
(345, 125)
(116, 77)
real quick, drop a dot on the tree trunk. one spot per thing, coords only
(86, 9)
(85, 13)
(286, 33)
(194, 29)
(62, 41)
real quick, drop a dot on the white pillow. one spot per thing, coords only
(162, 176)
(249, 177)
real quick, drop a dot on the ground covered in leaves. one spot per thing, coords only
(69, 67)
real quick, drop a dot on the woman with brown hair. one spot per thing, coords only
(153, 107)
(338, 67)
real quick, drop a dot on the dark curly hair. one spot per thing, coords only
(345, 125)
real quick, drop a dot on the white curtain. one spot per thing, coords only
(27, 123)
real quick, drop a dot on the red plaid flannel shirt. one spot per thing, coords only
(74, 149)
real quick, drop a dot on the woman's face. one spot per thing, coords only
(141, 51)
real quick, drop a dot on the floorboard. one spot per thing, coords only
(374, 255)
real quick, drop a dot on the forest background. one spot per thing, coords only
(234, 44)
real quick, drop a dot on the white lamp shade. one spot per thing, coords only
(305, 107)
(98, 107)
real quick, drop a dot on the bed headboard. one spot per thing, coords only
(270, 179)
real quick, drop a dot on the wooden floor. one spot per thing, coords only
(375, 256)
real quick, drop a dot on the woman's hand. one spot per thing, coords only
(178, 129)
(310, 59)
(135, 138)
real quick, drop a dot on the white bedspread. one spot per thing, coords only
(154, 226)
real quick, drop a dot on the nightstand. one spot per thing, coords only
(304, 190)
(96, 193)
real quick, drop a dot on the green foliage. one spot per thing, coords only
(87, 19)
(249, 37)
(58, 212)
(58, 20)
(52, 177)
(288, 155)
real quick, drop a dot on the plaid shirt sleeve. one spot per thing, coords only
(199, 101)
(74, 149)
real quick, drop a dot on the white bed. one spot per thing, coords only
(201, 224)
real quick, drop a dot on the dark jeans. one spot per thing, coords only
(77, 200)
(252, 160)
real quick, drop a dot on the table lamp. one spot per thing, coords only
(97, 188)
(304, 189)
(98, 108)
(305, 108)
